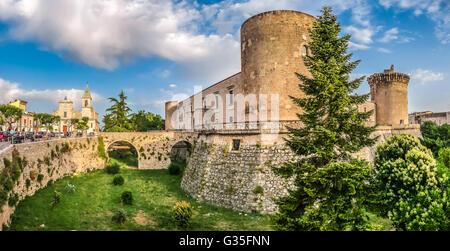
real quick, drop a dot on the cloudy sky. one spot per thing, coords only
(157, 50)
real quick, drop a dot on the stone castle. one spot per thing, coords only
(226, 166)
(272, 48)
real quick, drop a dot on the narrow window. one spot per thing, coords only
(65, 114)
(236, 144)
(304, 50)
(401, 122)
(231, 97)
(86, 103)
(217, 100)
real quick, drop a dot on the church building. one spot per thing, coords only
(67, 114)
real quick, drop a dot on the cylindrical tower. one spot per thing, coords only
(170, 108)
(272, 45)
(389, 92)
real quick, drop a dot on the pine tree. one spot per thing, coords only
(330, 184)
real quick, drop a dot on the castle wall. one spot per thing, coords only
(243, 180)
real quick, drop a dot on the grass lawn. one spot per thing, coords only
(96, 199)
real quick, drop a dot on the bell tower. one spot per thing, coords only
(86, 100)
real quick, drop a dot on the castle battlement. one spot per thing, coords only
(386, 78)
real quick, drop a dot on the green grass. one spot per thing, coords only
(96, 199)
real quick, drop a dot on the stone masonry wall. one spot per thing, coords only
(47, 161)
(242, 180)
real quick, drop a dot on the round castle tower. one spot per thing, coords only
(272, 45)
(389, 92)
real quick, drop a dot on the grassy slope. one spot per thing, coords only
(96, 199)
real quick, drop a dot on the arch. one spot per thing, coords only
(126, 143)
(181, 151)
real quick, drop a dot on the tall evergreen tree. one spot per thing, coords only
(330, 184)
(118, 118)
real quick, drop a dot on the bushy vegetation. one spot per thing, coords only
(434, 136)
(126, 156)
(411, 193)
(56, 199)
(182, 214)
(112, 167)
(175, 168)
(9, 175)
(444, 156)
(127, 198)
(101, 148)
(118, 180)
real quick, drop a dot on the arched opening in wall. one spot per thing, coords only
(181, 152)
(123, 152)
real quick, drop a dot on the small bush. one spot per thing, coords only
(56, 199)
(3, 197)
(258, 190)
(444, 156)
(13, 199)
(118, 180)
(120, 217)
(182, 214)
(127, 198)
(9, 185)
(28, 183)
(112, 168)
(176, 168)
(40, 177)
(70, 189)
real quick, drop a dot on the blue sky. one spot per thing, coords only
(157, 50)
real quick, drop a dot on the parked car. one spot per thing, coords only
(30, 136)
(2, 136)
(79, 134)
(17, 138)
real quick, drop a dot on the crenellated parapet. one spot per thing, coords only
(387, 78)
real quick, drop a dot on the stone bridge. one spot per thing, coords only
(155, 149)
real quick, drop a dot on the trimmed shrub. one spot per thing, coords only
(182, 214)
(175, 168)
(127, 198)
(101, 148)
(120, 217)
(118, 180)
(112, 168)
(411, 192)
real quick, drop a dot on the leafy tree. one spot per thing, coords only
(434, 136)
(411, 193)
(73, 124)
(145, 121)
(330, 183)
(44, 120)
(119, 113)
(83, 124)
(11, 114)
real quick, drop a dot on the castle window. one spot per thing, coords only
(65, 114)
(86, 103)
(305, 50)
(236, 144)
(401, 122)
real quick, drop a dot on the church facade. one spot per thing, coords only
(68, 115)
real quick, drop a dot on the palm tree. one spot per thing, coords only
(119, 111)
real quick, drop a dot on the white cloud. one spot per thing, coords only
(426, 76)
(173, 86)
(355, 46)
(390, 35)
(12, 91)
(436, 10)
(203, 40)
(384, 50)
(361, 35)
